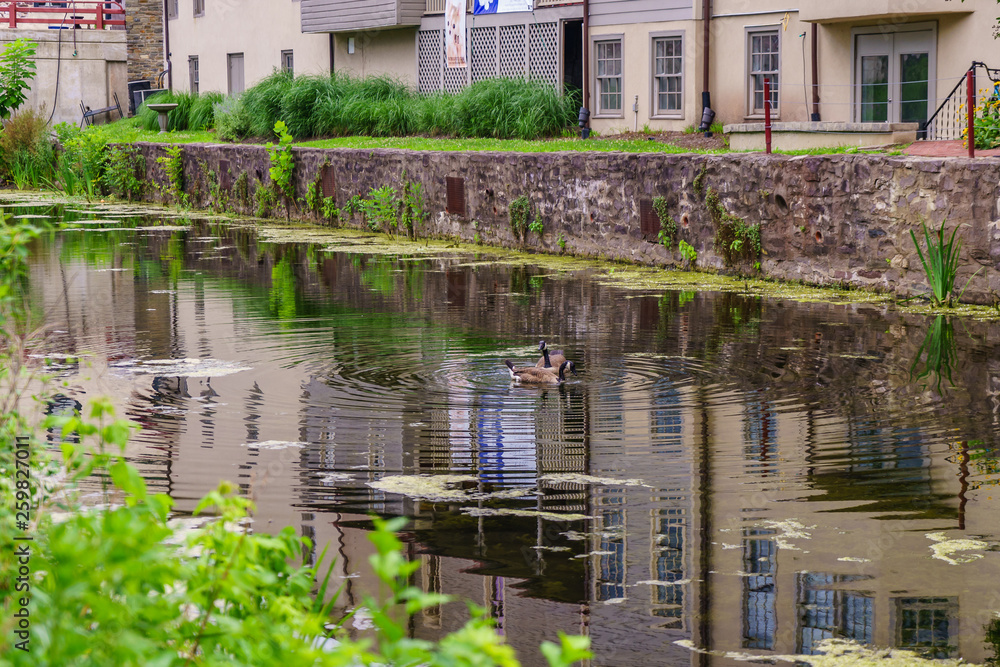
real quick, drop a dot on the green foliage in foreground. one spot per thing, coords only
(122, 584)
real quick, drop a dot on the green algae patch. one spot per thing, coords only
(443, 488)
(955, 552)
(574, 478)
(836, 653)
(535, 514)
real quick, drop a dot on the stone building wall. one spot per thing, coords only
(825, 220)
(144, 27)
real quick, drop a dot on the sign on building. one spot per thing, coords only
(454, 33)
(502, 6)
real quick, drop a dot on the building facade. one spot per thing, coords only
(228, 45)
(648, 63)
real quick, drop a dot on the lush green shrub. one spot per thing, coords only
(341, 105)
(17, 69)
(232, 121)
(202, 114)
(193, 112)
(27, 158)
(263, 102)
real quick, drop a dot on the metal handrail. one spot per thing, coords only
(957, 90)
(97, 14)
(437, 6)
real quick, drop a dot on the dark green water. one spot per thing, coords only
(761, 474)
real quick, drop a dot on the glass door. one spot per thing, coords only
(893, 77)
(873, 78)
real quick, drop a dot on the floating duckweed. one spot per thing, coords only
(852, 559)
(274, 444)
(574, 478)
(538, 514)
(944, 549)
(836, 653)
(441, 488)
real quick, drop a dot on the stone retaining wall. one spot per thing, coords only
(825, 220)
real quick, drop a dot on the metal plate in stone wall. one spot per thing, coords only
(328, 180)
(456, 195)
(649, 222)
(225, 176)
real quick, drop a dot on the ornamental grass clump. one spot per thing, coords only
(941, 264)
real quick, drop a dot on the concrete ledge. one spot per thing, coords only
(806, 135)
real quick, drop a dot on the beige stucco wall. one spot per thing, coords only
(378, 52)
(89, 71)
(260, 29)
(637, 78)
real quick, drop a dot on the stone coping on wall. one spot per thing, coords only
(809, 135)
(841, 219)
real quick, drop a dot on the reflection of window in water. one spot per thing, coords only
(665, 421)
(668, 601)
(825, 614)
(927, 625)
(61, 405)
(759, 432)
(611, 585)
(760, 561)
(430, 570)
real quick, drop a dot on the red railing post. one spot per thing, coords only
(970, 83)
(767, 116)
(99, 19)
(12, 13)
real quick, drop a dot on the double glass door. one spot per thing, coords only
(893, 77)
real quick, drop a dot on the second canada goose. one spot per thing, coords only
(535, 375)
(551, 360)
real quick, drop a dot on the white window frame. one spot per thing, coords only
(655, 110)
(172, 10)
(194, 74)
(288, 61)
(199, 8)
(598, 41)
(757, 31)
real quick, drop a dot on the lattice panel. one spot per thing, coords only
(455, 78)
(512, 50)
(430, 60)
(543, 52)
(484, 53)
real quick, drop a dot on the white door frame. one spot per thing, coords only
(895, 91)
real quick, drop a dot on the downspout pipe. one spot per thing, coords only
(584, 117)
(815, 73)
(166, 44)
(707, 115)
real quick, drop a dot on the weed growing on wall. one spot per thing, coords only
(688, 253)
(265, 200)
(282, 162)
(520, 213)
(173, 165)
(412, 211)
(123, 166)
(668, 228)
(734, 238)
(381, 209)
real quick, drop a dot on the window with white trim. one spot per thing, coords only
(199, 7)
(762, 63)
(194, 74)
(288, 62)
(609, 77)
(668, 72)
(172, 9)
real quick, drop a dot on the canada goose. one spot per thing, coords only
(535, 375)
(550, 359)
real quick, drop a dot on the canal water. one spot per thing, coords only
(725, 473)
